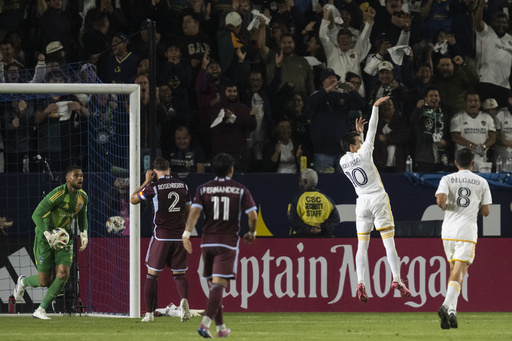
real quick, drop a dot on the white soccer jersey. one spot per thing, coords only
(494, 57)
(465, 192)
(359, 166)
(504, 123)
(474, 129)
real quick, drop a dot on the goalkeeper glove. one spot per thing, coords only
(83, 240)
(53, 240)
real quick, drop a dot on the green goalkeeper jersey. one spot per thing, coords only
(59, 208)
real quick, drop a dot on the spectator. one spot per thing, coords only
(59, 24)
(230, 122)
(187, 155)
(175, 72)
(95, 39)
(256, 97)
(296, 112)
(174, 112)
(312, 213)
(194, 43)
(282, 153)
(115, 16)
(388, 86)
(56, 119)
(392, 139)
(503, 146)
(343, 58)
(140, 44)
(329, 116)
(17, 123)
(473, 129)
(437, 14)
(417, 88)
(121, 67)
(391, 20)
(7, 54)
(295, 69)
(453, 78)
(428, 123)
(229, 39)
(493, 55)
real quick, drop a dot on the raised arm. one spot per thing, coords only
(478, 21)
(374, 119)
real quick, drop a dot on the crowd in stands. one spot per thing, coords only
(267, 81)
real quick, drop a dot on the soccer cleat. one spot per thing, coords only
(400, 286)
(224, 333)
(149, 317)
(185, 311)
(443, 314)
(361, 293)
(19, 289)
(453, 321)
(40, 313)
(204, 331)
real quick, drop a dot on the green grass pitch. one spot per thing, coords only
(265, 326)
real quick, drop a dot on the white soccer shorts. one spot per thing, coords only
(457, 250)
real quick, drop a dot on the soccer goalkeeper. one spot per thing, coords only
(57, 210)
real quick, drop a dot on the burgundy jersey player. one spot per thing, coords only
(222, 200)
(171, 205)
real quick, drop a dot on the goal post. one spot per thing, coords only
(133, 90)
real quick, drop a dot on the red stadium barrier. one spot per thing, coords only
(318, 275)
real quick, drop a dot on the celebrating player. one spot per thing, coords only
(372, 205)
(462, 195)
(171, 205)
(222, 199)
(57, 210)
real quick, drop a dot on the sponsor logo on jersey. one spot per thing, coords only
(465, 123)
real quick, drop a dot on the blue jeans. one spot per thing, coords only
(327, 163)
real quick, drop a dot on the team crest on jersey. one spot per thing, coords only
(352, 56)
(80, 205)
(483, 123)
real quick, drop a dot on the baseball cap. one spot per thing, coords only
(121, 36)
(385, 65)
(327, 73)
(489, 103)
(234, 19)
(54, 46)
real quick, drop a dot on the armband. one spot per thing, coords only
(186, 234)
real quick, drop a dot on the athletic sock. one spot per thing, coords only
(32, 281)
(206, 321)
(361, 259)
(452, 295)
(215, 300)
(150, 292)
(54, 289)
(221, 328)
(388, 239)
(181, 285)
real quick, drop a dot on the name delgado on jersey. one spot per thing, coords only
(171, 185)
(352, 163)
(222, 189)
(465, 181)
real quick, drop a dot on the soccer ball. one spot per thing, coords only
(63, 235)
(115, 224)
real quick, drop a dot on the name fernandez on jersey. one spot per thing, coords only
(221, 189)
(351, 163)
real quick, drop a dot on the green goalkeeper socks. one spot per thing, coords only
(32, 281)
(54, 289)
